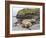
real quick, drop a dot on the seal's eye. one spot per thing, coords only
(27, 26)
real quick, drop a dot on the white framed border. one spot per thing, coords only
(27, 6)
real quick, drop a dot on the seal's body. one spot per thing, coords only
(27, 22)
